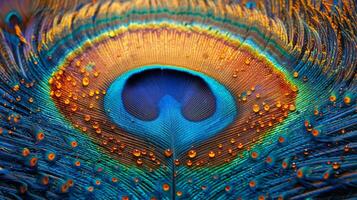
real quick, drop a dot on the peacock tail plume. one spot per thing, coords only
(178, 99)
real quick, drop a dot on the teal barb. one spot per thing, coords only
(154, 99)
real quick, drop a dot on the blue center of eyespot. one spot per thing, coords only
(171, 106)
(144, 94)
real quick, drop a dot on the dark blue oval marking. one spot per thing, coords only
(143, 92)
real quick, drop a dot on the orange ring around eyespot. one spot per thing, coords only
(235, 65)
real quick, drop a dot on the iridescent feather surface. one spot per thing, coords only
(181, 99)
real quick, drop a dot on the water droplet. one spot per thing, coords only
(87, 118)
(296, 74)
(256, 108)
(336, 165)
(192, 153)
(165, 187)
(266, 107)
(136, 153)
(211, 154)
(85, 81)
(168, 153)
(292, 107)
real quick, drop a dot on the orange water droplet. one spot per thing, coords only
(266, 107)
(192, 153)
(98, 131)
(261, 197)
(254, 154)
(16, 88)
(269, 159)
(292, 107)
(294, 88)
(347, 100)
(33, 161)
(256, 108)
(91, 93)
(315, 132)
(211, 154)
(85, 81)
(51, 156)
(96, 125)
(25, 152)
(240, 146)
(300, 173)
(40, 136)
(296, 74)
(178, 193)
(74, 107)
(336, 165)
(168, 153)
(136, 153)
(316, 112)
(87, 118)
(58, 85)
(232, 141)
(189, 163)
(347, 148)
(78, 63)
(332, 98)
(58, 93)
(165, 187)
(252, 184)
(50, 81)
(227, 188)
(139, 161)
(281, 139)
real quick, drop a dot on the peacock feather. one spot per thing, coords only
(178, 99)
